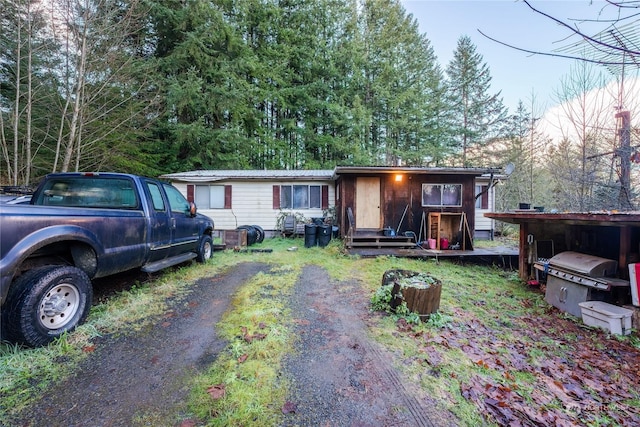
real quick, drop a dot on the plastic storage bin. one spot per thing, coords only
(607, 316)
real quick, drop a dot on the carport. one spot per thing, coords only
(579, 257)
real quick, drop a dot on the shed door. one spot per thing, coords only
(368, 203)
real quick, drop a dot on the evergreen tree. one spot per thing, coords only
(206, 95)
(515, 150)
(476, 115)
(402, 87)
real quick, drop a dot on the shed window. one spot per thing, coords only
(441, 194)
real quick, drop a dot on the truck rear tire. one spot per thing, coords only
(205, 249)
(46, 302)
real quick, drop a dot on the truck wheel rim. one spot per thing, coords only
(59, 306)
(208, 250)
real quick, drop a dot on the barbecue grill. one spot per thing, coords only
(574, 277)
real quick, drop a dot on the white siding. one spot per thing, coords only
(252, 203)
(482, 223)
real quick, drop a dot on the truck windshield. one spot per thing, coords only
(98, 192)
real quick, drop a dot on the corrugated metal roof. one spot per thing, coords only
(218, 175)
(610, 218)
(412, 170)
(315, 174)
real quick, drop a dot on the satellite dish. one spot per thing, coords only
(508, 170)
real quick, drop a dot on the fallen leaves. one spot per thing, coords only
(217, 391)
(545, 370)
(289, 408)
(403, 325)
(252, 337)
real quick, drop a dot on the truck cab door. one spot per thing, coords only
(160, 224)
(185, 232)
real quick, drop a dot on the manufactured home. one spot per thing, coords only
(233, 198)
(395, 199)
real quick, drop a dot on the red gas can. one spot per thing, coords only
(444, 243)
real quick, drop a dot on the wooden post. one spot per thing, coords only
(625, 250)
(522, 258)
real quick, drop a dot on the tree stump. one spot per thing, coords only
(420, 291)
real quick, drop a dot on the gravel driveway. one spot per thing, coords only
(340, 377)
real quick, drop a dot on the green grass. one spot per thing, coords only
(477, 342)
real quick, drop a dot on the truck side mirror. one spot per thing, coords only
(193, 210)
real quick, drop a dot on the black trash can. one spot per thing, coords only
(310, 235)
(324, 235)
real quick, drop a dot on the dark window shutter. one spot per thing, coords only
(484, 203)
(276, 197)
(227, 197)
(190, 190)
(325, 197)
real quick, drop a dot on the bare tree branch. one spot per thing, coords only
(557, 55)
(625, 4)
(599, 45)
(581, 34)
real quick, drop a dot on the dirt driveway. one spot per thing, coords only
(341, 377)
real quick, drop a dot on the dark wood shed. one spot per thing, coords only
(612, 235)
(580, 257)
(370, 200)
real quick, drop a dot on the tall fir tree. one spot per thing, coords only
(476, 114)
(203, 62)
(402, 86)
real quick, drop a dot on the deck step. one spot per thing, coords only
(380, 242)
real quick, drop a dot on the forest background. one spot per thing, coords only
(153, 87)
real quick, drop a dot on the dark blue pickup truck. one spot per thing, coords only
(82, 226)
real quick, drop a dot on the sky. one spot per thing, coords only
(533, 79)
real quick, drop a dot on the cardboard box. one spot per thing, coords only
(607, 316)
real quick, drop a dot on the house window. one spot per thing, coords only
(210, 196)
(441, 194)
(482, 197)
(300, 197)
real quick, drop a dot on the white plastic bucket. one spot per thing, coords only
(432, 243)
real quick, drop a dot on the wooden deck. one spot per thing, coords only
(379, 241)
(502, 255)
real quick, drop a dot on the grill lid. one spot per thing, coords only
(584, 264)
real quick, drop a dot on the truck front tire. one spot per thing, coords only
(46, 302)
(205, 249)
